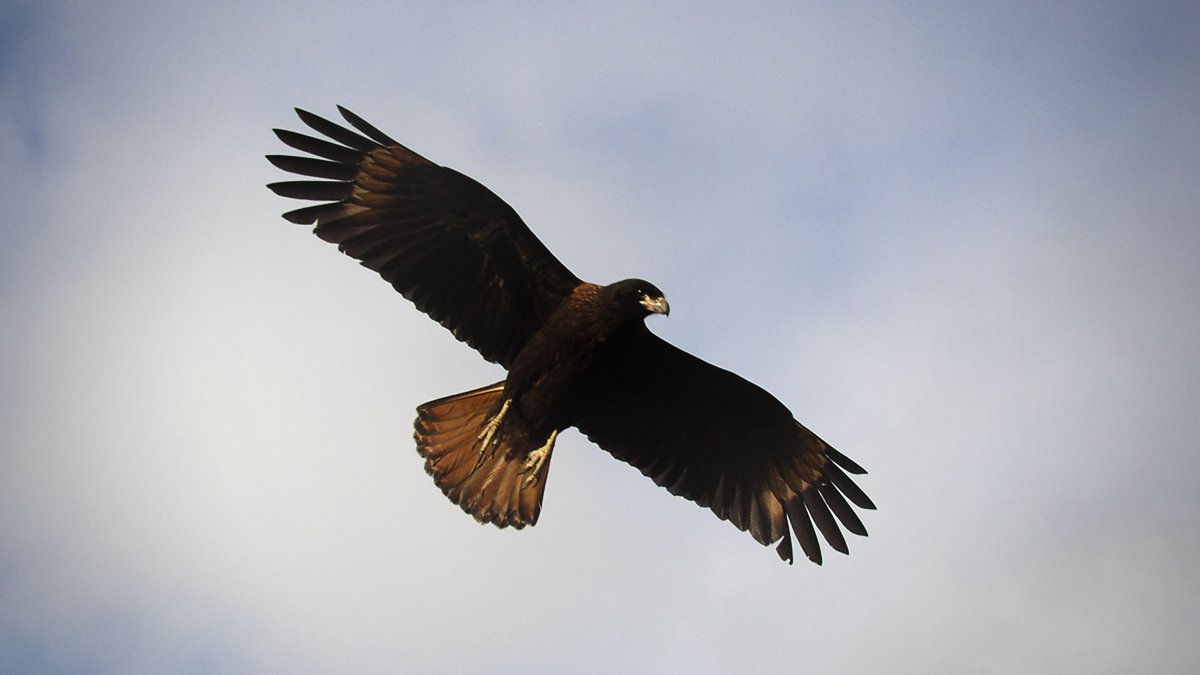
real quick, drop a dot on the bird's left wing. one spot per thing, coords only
(710, 436)
(444, 241)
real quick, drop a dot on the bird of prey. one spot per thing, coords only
(577, 355)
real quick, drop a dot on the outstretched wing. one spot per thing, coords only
(445, 242)
(711, 436)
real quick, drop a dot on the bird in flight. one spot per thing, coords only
(577, 355)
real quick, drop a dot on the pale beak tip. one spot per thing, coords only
(659, 306)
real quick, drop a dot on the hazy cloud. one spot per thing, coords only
(960, 242)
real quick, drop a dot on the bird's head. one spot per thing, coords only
(640, 297)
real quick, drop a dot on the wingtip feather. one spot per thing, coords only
(848, 487)
(824, 520)
(837, 503)
(802, 524)
(784, 549)
(844, 461)
(366, 127)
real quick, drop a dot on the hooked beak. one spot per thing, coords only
(657, 305)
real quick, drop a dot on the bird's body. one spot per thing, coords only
(577, 355)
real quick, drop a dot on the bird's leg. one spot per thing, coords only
(536, 461)
(489, 430)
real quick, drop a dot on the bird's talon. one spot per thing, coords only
(536, 461)
(489, 429)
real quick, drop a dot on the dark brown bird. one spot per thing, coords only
(577, 355)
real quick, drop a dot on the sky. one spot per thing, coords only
(960, 241)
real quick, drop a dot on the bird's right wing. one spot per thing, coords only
(710, 436)
(447, 243)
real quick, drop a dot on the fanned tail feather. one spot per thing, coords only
(489, 481)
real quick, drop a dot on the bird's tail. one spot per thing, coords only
(477, 468)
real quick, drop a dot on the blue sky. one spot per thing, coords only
(959, 241)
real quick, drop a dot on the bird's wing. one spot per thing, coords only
(711, 436)
(445, 242)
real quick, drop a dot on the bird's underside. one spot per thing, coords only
(577, 355)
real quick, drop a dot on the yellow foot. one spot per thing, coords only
(489, 430)
(536, 461)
